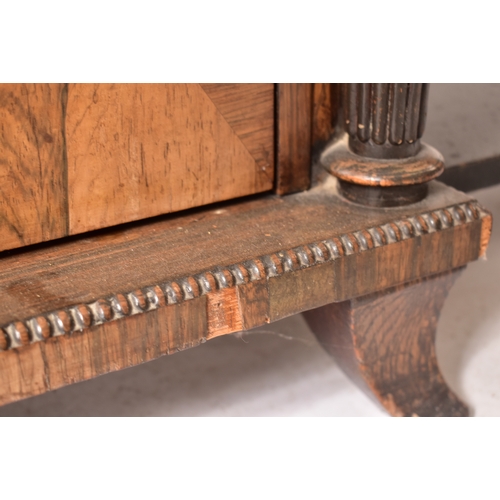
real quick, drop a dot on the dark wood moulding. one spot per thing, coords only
(294, 114)
(376, 196)
(79, 308)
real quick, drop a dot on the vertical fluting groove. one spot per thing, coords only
(352, 102)
(383, 112)
(364, 109)
(399, 93)
(412, 112)
(380, 112)
(424, 99)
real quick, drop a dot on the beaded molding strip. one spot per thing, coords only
(82, 316)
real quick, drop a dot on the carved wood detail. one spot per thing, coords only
(219, 280)
(379, 159)
(385, 120)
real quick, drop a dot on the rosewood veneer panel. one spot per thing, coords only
(79, 157)
(33, 204)
(136, 151)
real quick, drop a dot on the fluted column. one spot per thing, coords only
(385, 120)
(381, 148)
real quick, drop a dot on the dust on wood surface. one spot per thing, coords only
(100, 303)
(91, 267)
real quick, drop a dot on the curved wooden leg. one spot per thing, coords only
(385, 343)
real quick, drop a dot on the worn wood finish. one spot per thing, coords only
(247, 264)
(60, 361)
(249, 111)
(33, 205)
(447, 225)
(385, 342)
(325, 112)
(376, 196)
(294, 134)
(385, 120)
(381, 147)
(135, 151)
(349, 167)
(80, 157)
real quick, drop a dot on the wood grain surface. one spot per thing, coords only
(249, 111)
(90, 267)
(135, 151)
(102, 349)
(80, 157)
(294, 135)
(326, 104)
(385, 342)
(246, 263)
(33, 204)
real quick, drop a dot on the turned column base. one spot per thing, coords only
(380, 182)
(385, 342)
(379, 197)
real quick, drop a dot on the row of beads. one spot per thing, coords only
(79, 317)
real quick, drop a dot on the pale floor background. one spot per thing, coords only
(282, 371)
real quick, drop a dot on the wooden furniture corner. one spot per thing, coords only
(368, 253)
